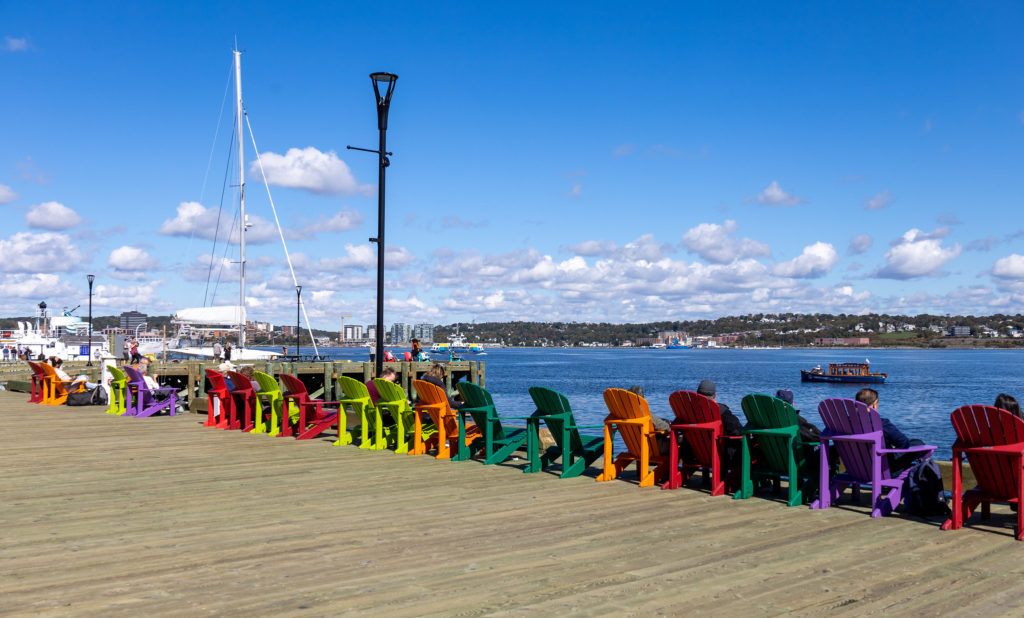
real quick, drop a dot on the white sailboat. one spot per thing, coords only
(199, 324)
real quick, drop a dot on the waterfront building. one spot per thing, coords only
(424, 332)
(130, 320)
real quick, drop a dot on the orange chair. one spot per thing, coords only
(57, 393)
(451, 435)
(631, 416)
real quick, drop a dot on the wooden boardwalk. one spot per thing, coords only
(109, 516)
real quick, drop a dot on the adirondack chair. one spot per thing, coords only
(372, 433)
(856, 432)
(576, 450)
(699, 421)
(315, 415)
(394, 400)
(144, 403)
(56, 391)
(219, 393)
(272, 401)
(451, 435)
(118, 392)
(631, 416)
(39, 384)
(247, 406)
(772, 425)
(992, 440)
(498, 442)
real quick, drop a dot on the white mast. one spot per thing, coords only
(241, 197)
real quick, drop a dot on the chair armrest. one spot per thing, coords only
(853, 437)
(1006, 449)
(913, 449)
(769, 432)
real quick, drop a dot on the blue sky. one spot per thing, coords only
(552, 161)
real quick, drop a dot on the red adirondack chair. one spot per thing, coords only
(244, 402)
(631, 416)
(855, 431)
(39, 383)
(219, 392)
(313, 418)
(993, 442)
(699, 422)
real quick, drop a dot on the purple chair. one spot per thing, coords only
(856, 433)
(143, 402)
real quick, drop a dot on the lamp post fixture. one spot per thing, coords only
(91, 278)
(298, 333)
(383, 105)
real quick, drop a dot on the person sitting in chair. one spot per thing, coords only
(894, 438)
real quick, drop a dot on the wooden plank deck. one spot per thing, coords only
(102, 515)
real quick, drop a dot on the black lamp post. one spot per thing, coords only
(298, 333)
(383, 104)
(91, 278)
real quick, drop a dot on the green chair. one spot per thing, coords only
(394, 400)
(271, 400)
(576, 450)
(498, 441)
(773, 427)
(357, 398)
(118, 392)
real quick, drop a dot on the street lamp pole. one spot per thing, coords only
(298, 333)
(91, 278)
(383, 105)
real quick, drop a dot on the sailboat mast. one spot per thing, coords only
(241, 198)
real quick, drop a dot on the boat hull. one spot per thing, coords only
(809, 376)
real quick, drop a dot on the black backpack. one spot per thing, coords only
(923, 494)
(95, 397)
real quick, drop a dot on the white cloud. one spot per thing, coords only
(628, 149)
(715, 243)
(860, 243)
(1009, 267)
(31, 287)
(131, 263)
(359, 257)
(308, 168)
(127, 296)
(38, 253)
(773, 195)
(576, 191)
(879, 201)
(7, 195)
(917, 254)
(194, 219)
(52, 216)
(815, 261)
(14, 44)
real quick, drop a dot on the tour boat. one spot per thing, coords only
(843, 372)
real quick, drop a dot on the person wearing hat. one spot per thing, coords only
(224, 368)
(808, 431)
(730, 423)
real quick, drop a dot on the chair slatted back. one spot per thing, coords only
(557, 413)
(478, 397)
(843, 416)
(294, 386)
(353, 389)
(767, 412)
(981, 426)
(268, 385)
(623, 404)
(695, 409)
(432, 395)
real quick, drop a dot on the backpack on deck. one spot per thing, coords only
(95, 397)
(923, 494)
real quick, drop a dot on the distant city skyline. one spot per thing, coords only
(552, 162)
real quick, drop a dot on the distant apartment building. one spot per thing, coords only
(353, 332)
(400, 332)
(130, 320)
(960, 331)
(424, 332)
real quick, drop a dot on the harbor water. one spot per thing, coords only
(923, 386)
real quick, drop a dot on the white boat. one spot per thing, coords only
(197, 325)
(65, 336)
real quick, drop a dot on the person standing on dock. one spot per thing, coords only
(227, 351)
(217, 351)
